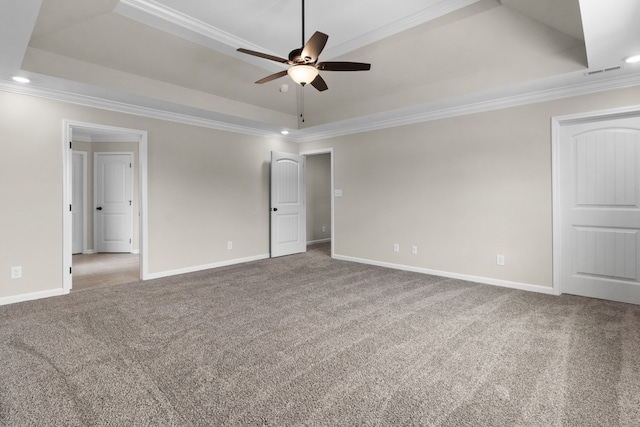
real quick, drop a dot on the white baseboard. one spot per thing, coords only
(476, 279)
(315, 242)
(33, 296)
(93, 251)
(193, 269)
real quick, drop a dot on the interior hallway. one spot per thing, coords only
(99, 270)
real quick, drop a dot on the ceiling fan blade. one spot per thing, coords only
(263, 55)
(314, 46)
(272, 77)
(319, 83)
(343, 66)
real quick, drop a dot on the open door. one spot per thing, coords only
(599, 206)
(78, 201)
(288, 207)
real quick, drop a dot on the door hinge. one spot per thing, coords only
(70, 208)
(70, 145)
(70, 270)
(129, 202)
(129, 165)
(130, 241)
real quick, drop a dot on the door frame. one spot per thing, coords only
(84, 178)
(97, 154)
(330, 152)
(139, 136)
(556, 126)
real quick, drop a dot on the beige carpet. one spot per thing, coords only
(306, 340)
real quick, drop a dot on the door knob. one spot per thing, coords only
(274, 209)
(99, 208)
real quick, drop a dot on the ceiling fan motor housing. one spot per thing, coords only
(295, 56)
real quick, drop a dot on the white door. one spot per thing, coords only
(113, 202)
(599, 185)
(288, 210)
(77, 201)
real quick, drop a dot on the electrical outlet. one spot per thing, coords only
(324, 229)
(16, 272)
(229, 245)
(396, 247)
(500, 259)
(414, 250)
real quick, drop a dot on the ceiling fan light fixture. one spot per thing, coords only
(303, 74)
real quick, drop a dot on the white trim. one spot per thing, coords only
(67, 217)
(83, 155)
(330, 152)
(514, 96)
(433, 11)
(555, 208)
(554, 88)
(155, 14)
(149, 11)
(104, 138)
(556, 126)
(197, 268)
(67, 135)
(469, 278)
(137, 109)
(599, 115)
(135, 251)
(32, 296)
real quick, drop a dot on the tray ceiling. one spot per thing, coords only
(178, 56)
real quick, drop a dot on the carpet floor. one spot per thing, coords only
(308, 340)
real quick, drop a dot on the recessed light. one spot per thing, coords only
(284, 132)
(21, 79)
(632, 59)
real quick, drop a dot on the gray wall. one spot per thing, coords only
(461, 189)
(205, 187)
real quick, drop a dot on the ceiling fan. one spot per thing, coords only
(305, 67)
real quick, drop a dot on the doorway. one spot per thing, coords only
(78, 201)
(91, 268)
(597, 206)
(320, 191)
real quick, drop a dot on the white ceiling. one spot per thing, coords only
(177, 59)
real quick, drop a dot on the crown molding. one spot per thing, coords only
(550, 89)
(513, 96)
(172, 16)
(433, 11)
(156, 14)
(168, 112)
